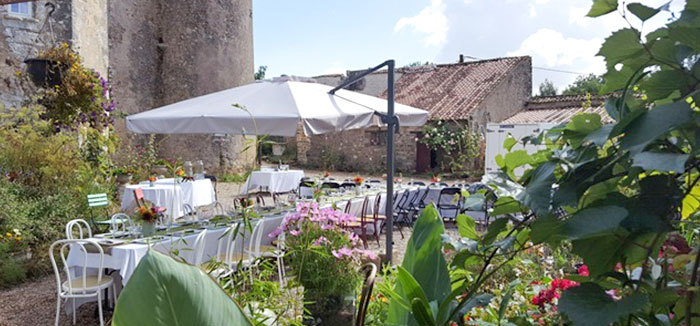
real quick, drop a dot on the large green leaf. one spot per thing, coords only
(663, 83)
(163, 292)
(602, 7)
(691, 202)
(664, 162)
(594, 221)
(641, 11)
(425, 262)
(621, 45)
(466, 227)
(655, 123)
(538, 192)
(589, 305)
(601, 254)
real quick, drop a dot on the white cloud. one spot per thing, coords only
(430, 21)
(555, 50)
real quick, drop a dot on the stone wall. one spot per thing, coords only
(20, 39)
(362, 150)
(509, 97)
(166, 51)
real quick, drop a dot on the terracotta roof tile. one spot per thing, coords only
(452, 91)
(558, 109)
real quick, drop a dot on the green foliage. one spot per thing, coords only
(588, 84)
(619, 194)
(459, 146)
(162, 291)
(547, 88)
(260, 74)
(44, 182)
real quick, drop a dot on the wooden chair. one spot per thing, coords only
(370, 271)
(138, 196)
(362, 223)
(377, 218)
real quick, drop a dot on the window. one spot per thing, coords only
(21, 9)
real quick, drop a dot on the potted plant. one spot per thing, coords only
(149, 215)
(325, 259)
(45, 72)
(122, 174)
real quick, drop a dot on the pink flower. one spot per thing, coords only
(342, 252)
(320, 241)
(294, 232)
(369, 253)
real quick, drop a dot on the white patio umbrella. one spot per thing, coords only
(277, 107)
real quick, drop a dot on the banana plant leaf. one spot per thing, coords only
(425, 262)
(165, 292)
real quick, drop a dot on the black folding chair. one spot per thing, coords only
(452, 205)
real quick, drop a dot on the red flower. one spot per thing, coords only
(583, 270)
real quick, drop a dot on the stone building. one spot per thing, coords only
(155, 53)
(469, 93)
(558, 109)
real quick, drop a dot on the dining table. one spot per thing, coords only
(171, 194)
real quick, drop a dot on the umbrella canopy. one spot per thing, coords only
(277, 106)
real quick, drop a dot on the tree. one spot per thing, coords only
(417, 64)
(260, 74)
(547, 88)
(588, 84)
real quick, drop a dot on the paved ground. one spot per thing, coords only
(34, 302)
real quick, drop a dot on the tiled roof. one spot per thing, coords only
(558, 109)
(452, 91)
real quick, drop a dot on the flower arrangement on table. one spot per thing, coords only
(435, 178)
(152, 179)
(149, 215)
(324, 257)
(358, 180)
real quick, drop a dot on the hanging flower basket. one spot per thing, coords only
(45, 73)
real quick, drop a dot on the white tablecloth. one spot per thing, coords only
(195, 193)
(126, 257)
(273, 181)
(164, 193)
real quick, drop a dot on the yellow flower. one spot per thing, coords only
(18, 238)
(9, 235)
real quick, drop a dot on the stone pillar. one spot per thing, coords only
(303, 144)
(90, 33)
(207, 46)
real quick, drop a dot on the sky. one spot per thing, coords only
(315, 37)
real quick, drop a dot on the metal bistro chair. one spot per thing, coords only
(84, 231)
(120, 224)
(197, 255)
(370, 271)
(346, 210)
(452, 205)
(83, 286)
(330, 185)
(98, 201)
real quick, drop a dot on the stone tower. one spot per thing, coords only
(164, 51)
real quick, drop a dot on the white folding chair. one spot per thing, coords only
(83, 228)
(262, 248)
(230, 250)
(198, 248)
(83, 286)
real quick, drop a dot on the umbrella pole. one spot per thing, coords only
(391, 123)
(390, 129)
